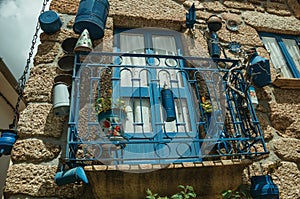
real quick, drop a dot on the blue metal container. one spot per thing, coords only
(168, 104)
(91, 15)
(74, 175)
(259, 69)
(191, 17)
(50, 22)
(7, 140)
(263, 187)
(214, 48)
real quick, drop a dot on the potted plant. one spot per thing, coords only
(111, 116)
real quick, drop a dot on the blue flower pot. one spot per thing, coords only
(50, 22)
(7, 140)
(112, 123)
(263, 187)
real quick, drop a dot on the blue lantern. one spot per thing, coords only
(259, 69)
(263, 187)
(7, 140)
(74, 175)
(168, 104)
(191, 17)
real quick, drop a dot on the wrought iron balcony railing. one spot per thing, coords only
(206, 113)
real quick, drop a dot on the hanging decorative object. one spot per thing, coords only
(214, 24)
(263, 187)
(168, 104)
(66, 63)
(7, 140)
(68, 45)
(253, 96)
(50, 22)
(84, 43)
(61, 95)
(75, 175)
(191, 17)
(234, 47)
(91, 15)
(259, 69)
(232, 25)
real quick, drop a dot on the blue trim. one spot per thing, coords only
(289, 60)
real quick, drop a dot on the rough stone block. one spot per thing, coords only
(239, 5)
(59, 36)
(287, 149)
(40, 83)
(38, 119)
(46, 53)
(277, 8)
(34, 150)
(65, 6)
(246, 35)
(272, 23)
(38, 181)
(295, 7)
(214, 6)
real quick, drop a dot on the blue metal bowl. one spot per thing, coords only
(50, 22)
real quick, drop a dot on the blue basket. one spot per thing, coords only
(50, 22)
(91, 15)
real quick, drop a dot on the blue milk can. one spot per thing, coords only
(74, 175)
(91, 15)
(168, 104)
(50, 22)
(263, 187)
(7, 140)
(259, 69)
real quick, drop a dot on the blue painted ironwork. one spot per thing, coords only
(197, 136)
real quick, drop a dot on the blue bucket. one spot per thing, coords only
(263, 187)
(74, 175)
(7, 140)
(50, 22)
(259, 69)
(91, 15)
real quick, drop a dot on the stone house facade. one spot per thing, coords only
(42, 135)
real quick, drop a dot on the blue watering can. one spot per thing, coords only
(74, 175)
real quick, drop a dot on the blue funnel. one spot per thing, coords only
(7, 140)
(74, 175)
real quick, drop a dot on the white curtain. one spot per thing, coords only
(276, 55)
(294, 51)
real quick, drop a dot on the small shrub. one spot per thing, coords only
(186, 192)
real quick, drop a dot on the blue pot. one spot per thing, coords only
(50, 22)
(263, 187)
(259, 69)
(91, 15)
(7, 140)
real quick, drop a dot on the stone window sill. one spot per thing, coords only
(289, 83)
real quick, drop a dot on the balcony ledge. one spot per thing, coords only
(288, 83)
(209, 178)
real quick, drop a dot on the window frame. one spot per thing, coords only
(288, 58)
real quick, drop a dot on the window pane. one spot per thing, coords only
(293, 50)
(276, 55)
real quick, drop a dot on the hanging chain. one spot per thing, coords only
(22, 79)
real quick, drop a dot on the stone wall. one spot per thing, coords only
(42, 135)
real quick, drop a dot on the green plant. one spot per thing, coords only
(103, 104)
(242, 192)
(186, 192)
